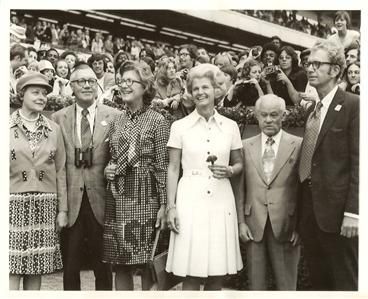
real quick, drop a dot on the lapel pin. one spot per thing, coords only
(104, 123)
(338, 107)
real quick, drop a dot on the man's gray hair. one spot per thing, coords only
(270, 97)
(334, 51)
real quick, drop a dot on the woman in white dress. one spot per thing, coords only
(201, 211)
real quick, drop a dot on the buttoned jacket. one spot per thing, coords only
(277, 198)
(43, 171)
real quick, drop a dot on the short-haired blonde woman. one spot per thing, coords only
(201, 209)
(137, 178)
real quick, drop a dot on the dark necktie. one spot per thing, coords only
(309, 142)
(268, 159)
(86, 134)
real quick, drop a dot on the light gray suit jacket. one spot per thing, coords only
(92, 177)
(277, 199)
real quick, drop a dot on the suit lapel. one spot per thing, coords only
(286, 148)
(255, 150)
(69, 123)
(101, 124)
(330, 116)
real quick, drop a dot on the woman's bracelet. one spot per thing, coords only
(169, 207)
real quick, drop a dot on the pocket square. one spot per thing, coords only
(336, 130)
(104, 123)
(338, 107)
(107, 140)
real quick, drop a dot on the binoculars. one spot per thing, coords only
(83, 158)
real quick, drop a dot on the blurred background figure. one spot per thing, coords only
(344, 36)
(17, 34)
(353, 78)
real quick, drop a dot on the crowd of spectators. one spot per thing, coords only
(268, 68)
(288, 18)
(42, 35)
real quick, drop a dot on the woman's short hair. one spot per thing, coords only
(342, 14)
(204, 70)
(334, 51)
(146, 77)
(248, 66)
(294, 56)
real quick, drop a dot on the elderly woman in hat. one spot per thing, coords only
(37, 201)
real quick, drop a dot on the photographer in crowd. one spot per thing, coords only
(289, 79)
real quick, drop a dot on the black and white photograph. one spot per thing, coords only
(184, 149)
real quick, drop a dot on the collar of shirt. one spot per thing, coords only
(326, 101)
(275, 146)
(196, 117)
(91, 110)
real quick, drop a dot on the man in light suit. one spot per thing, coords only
(267, 199)
(329, 172)
(84, 126)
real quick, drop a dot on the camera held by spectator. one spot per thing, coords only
(271, 72)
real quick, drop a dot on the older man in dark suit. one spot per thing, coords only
(84, 126)
(329, 172)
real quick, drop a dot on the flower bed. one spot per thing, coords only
(294, 116)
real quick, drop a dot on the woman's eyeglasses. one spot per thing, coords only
(128, 82)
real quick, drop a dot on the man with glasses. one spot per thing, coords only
(84, 126)
(329, 173)
(187, 56)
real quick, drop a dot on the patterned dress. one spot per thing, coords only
(34, 247)
(138, 148)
